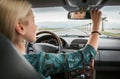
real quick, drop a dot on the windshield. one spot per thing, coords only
(55, 19)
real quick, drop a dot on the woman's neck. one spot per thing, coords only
(21, 46)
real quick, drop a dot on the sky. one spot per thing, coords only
(57, 17)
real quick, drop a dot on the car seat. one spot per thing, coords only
(12, 64)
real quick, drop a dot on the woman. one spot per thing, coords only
(17, 24)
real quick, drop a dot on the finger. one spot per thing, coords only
(100, 13)
(96, 11)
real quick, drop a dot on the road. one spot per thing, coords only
(71, 31)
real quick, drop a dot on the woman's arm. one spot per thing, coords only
(94, 37)
(47, 64)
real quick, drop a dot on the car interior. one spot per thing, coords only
(58, 32)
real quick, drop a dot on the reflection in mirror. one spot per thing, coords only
(79, 15)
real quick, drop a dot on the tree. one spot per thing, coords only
(104, 19)
(90, 26)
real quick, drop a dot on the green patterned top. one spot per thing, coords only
(47, 64)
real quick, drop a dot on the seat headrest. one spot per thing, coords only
(12, 64)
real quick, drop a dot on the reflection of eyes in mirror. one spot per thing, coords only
(79, 15)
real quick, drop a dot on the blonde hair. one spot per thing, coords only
(12, 11)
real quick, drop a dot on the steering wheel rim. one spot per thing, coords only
(60, 46)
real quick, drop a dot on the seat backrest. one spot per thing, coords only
(12, 64)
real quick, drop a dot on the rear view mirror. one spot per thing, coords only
(79, 15)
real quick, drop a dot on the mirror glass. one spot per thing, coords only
(79, 15)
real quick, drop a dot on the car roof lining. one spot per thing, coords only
(63, 3)
(47, 3)
(52, 3)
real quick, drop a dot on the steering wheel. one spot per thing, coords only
(46, 47)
